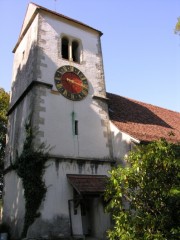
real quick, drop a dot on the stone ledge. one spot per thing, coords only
(57, 238)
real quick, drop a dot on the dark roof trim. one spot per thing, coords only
(100, 98)
(26, 91)
(70, 159)
(82, 160)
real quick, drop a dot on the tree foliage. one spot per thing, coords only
(4, 104)
(177, 27)
(144, 196)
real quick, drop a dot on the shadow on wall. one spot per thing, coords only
(122, 144)
(13, 204)
(59, 224)
(26, 72)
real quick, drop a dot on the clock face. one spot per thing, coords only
(71, 83)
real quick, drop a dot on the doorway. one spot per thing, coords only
(92, 213)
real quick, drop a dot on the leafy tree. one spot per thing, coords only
(4, 104)
(144, 196)
(177, 27)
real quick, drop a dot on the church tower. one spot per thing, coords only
(58, 82)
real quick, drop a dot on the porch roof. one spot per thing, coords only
(88, 184)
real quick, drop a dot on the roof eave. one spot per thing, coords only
(25, 30)
(67, 18)
(38, 8)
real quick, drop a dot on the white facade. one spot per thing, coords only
(91, 152)
(122, 143)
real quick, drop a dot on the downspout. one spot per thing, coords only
(70, 219)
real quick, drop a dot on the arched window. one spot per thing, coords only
(70, 49)
(64, 47)
(75, 51)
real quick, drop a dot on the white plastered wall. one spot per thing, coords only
(57, 128)
(122, 143)
(60, 191)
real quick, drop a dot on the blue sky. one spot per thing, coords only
(141, 53)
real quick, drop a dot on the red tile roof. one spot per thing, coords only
(88, 184)
(143, 121)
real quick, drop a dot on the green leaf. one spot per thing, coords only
(145, 195)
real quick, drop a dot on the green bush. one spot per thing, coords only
(144, 197)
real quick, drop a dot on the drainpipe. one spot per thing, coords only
(70, 219)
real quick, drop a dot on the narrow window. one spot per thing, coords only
(75, 51)
(64, 47)
(76, 127)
